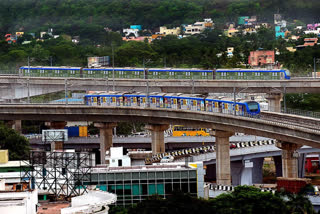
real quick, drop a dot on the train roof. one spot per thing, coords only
(50, 68)
(249, 70)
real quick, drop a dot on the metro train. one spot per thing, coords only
(155, 73)
(192, 102)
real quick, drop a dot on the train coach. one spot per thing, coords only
(191, 102)
(155, 73)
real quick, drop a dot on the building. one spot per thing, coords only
(96, 61)
(308, 42)
(91, 202)
(174, 31)
(136, 183)
(117, 158)
(279, 32)
(261, 58)
(17, 200)
(242, 20)
(139, 27)
(198, 27)
(230, 52)
(232, 32)
(131, 32)
(10, 170)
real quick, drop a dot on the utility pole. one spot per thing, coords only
(28, 87)
(66, 90)
(284, 98)
(147, 81)
(28, 66)
(234, 100)
(113, 86)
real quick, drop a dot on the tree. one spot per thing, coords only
(246, 199)
(17, 145)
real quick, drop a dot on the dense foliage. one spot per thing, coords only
(17, 145)
(87, 18)
(244, 200)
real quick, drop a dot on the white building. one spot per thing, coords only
(129, 31)
(117, 158)
(91, 202)
(198, 27)
(24, 202)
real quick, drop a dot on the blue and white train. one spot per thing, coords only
(174, 101)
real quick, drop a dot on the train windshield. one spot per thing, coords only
(253, 106)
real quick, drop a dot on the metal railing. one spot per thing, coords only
(300, 112)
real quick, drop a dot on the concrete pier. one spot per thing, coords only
(274, 101)
(105, 139)
(157, 137)
(289, 159)
(223, 171)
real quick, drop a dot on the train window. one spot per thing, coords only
(104, 99)
(194, 102)
(225, 106)
(174, 101)
(113, 99)
(188, 73)
(216, 104)
(105, 72)
(90, 72)
(57, 71)
(184, 102)
(253, 106)
(153, 100)
(257, 73)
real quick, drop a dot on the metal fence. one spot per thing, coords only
(301, 112)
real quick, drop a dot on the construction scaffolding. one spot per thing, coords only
(63, 174)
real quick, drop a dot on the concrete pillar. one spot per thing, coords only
(14, 124)
(278, 163)
(157, 137)
(105, 139)
(222, 156)
(246, 173)
(236, 169)
(274, 102)
(57, 145)
(257, 171)
(289, 159)
(301, 165)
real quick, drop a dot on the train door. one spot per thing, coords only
(113, 101)
(177, 103)
(88, 100)
(103, 101)
(142, 101)
(167, 102)
(94, 101)
(202, 107)
(125, 101)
